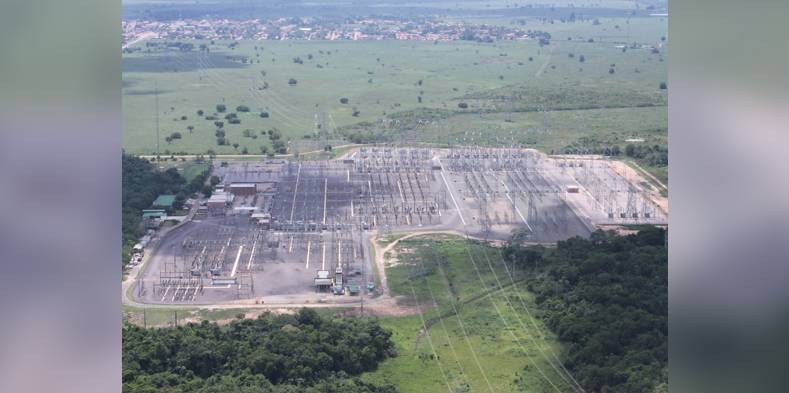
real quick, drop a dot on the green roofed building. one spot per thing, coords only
(164, 201)
(153, 213)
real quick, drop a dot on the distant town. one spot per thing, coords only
(371, 28)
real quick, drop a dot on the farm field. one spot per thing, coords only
(491, 343)
(512, 91)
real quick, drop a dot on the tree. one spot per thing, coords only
(343, 100)
(630, 150)
(190, 128)
(463, 105)
(244, 150)
(242, 108)
(219, 124)
(214, 180)
(178, 203)
(207, 190)
(235, 146)
(200, 112)
(581, 58)
(264, 114)
(221, 108)
(175, 135)
(263, 149)
(663, 86)
(292, 82)
(611, 70)
(355, 112)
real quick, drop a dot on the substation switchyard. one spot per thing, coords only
(281, 231)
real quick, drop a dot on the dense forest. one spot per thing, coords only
(271, 354)
(141, 183)
(606, 298)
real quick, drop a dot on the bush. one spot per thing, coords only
(175, 135)
(462, 105)
(292, 82)
(242, 108)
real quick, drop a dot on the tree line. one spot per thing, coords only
(273, 353)
(141, 183)
(606, 298)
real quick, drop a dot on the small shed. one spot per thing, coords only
(243, 188)
(322, 280)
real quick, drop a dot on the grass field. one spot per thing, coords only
(382, 82)
(490, 342)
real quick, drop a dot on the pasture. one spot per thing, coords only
(479, 335)
(396, 90)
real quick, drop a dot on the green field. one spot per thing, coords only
(490, 340)
(503, 89)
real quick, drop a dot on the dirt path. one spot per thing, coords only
(633, 176)
(547, 61)
(644, 171)
(261, 156)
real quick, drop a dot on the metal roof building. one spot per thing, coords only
(164, 201)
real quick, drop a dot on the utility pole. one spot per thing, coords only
(364, 262)
(156, 98)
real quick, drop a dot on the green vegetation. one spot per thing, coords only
(371, 92)
(141, 183)
(607, 300)
(479, 332)
(287, 353)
